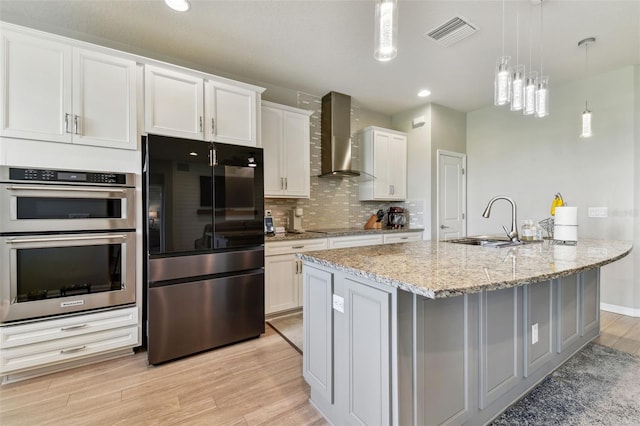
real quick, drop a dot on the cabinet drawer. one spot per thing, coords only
(402, 237)
(63, 328)
(61, 350)
(297, 246)
(355, 241)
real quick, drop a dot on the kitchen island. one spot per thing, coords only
(432, 333)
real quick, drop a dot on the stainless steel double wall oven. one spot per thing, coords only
(67, 242)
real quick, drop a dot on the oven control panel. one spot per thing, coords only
(49, 175)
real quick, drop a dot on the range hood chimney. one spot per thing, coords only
(336, 136)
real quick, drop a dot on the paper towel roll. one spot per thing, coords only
(566, 216)
(565, 232)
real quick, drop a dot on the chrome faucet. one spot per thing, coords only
(513, 234)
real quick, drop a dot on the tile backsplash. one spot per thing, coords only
(334, 201)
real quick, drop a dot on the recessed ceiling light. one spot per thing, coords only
(193, 153)
(178, 5)
(424, 93)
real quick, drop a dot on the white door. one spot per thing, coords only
(230, 114)
(452, 188)
(35, 79)
(174, 103)
(104, 100)
(296, 154)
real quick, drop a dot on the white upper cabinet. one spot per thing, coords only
(286, 143)
(230, 114)
(174, 103)
(52, 91)
(190, 106)
(384, 156)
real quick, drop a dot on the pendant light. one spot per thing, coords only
(529, 103)
(386, 30)
(502, 78)
(517, 74)
(542, 88)
(586, 115)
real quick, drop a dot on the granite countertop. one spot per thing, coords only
(339, 232)
(440, 269)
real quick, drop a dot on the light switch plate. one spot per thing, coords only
(338, 303)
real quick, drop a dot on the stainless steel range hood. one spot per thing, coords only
(336, 136)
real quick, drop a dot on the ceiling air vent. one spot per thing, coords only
(452, 31)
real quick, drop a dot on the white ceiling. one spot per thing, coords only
(322, 46)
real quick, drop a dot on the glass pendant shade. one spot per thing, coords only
(517, 88)
(386, 30)
(586, 124)
(542, 97)
(502, 82)
(530, 85)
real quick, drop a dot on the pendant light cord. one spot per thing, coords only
(586, 67)
(541, 26)
(530, 44)
(503, 27)
(518, 34)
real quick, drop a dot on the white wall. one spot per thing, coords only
(531, 159)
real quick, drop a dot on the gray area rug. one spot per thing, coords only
(290, 328)
(598, 386)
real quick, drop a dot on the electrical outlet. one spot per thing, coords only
(534, 334)
(338, 303)
(597, 212)
(267, 213)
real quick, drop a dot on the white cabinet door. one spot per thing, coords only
(271, 144)
(397, 171)
(286, 143)
(282, 283)
(104, 100)
(36, 88)
(230, 113)
(384, 155)
(296, 154)
(174, 103)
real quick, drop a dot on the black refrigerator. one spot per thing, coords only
(204, 245)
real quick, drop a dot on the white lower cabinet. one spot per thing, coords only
(283, 273)
(44, 343)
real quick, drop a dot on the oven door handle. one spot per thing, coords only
(57, 188)
(53, 239)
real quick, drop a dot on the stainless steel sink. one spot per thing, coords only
(489, 241)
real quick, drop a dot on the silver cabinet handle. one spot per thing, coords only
(18, 240)
(444, 226)
(404, 238)
(64, 189)
(281, 183)
(213, 125)
(73, 327)
(286, 183)
(66, 123)
(75, 125)
(72, 350)
(297, 247)
(200, 125)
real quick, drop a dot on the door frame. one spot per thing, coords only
(463, 157)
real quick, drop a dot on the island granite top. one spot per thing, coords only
(440, 269)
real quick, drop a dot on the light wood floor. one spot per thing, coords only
(257, 382)
(619, 332)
